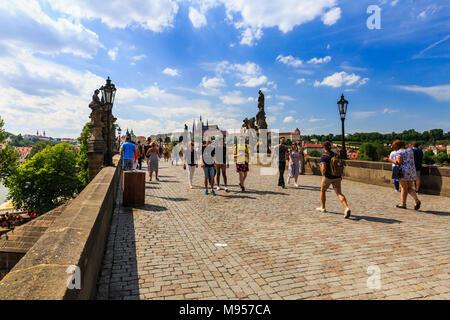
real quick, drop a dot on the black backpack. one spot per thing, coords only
(146, 147)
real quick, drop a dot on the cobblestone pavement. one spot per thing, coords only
(277, 245)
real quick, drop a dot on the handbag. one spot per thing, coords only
(397, 172)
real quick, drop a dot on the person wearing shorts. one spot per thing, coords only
(208, 164)
(241, 156)
(222, 164)
(127, 152)
(328, 179)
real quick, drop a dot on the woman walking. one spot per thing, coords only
(404, 158)
(153, 160)
(294, 164)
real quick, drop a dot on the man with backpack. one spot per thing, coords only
(332, 168)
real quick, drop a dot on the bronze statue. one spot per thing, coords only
(245, 123)
(251, 123)
(261, 115)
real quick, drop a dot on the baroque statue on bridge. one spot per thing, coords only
(261, 115)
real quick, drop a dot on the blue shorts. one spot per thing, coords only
(127, 164)
(209, 172)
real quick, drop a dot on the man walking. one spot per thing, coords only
(141, 155)
(241, 157)
(328, 179)
(222, 164)
(190, 163)
(283, 152)
(418, 159)
(127, 153)
(208, 164)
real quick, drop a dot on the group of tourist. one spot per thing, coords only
(407, 163)
(214, 162)
(9, 220)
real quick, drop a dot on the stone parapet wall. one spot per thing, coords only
(435, 180)
(76, 238)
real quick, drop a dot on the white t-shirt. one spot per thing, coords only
(393, 156)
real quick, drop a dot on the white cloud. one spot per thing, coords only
(429, 11)
(363, 81)
(214, 82)
(252, 16)
(233, 97)
(315, 120)
(289, 60)
(198, 19)
(285, 98)
(300, 81)
(288, 119)
(362, 114)
(394, 3)
(439, 93)
(139, 57)
(338, 79)
(388, 111)
(249, 73)
(319, 60)
(171, 72)
(252, 82)
(250, 35)
(37, 94)
(27, 27)
(152, 15)
(112, 53)
(332, 16)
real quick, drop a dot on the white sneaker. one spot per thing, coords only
(321, 210)
(296, 185)
(191, 187)
(218, 188)
(347, 213)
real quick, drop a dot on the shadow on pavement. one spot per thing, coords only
(169, 199)
(438, 213)
(234, 196)
(152, 208)
(374, 219)
(259, 192)
(309, 188)
(124, 263)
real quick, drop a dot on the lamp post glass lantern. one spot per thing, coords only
(108, 95)
(342, 106)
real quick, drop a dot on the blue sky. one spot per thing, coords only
(175, 60)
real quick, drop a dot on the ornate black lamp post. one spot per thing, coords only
(342, 106)
(108, 95)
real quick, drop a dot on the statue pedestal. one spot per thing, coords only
(96, 153)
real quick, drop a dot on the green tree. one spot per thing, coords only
(314, 153)
(382, 151)
(38, 147)
(428, 157)
(82, 158)
(45, 181)
(442, 157)
(9, 157)
(368, 152)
